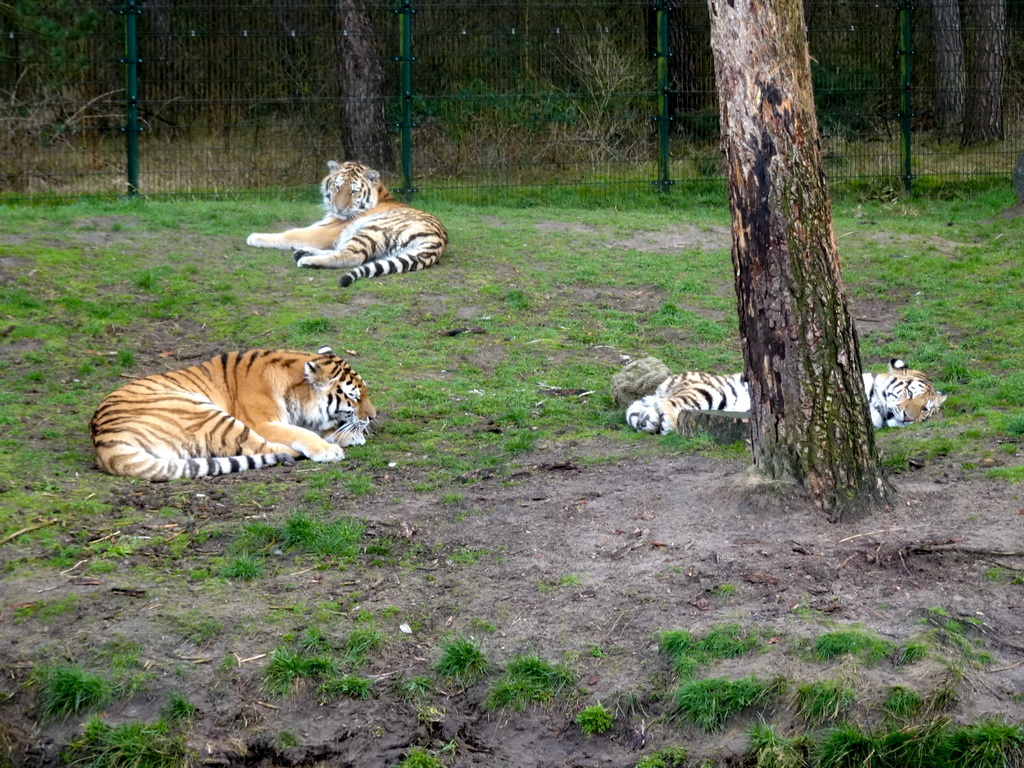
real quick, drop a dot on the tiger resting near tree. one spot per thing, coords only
(239, 411)
(365, 229)
(896, 398)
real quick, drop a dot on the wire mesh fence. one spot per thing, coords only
(165, 97)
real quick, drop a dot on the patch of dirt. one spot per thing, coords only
(649, 543)
(678, 239)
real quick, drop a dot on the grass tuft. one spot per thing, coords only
(419, 758)
(66, 691)
(179, 708)
(462, 660)
(902, 704)
(529, 680)
(666, 757)
(245, 566)
(288, 665)
(723, 641)
(822, 701)
(769, 749)
(131, 745)
(856, 642)
(348, 686)
(709, 703)
(987, 744)
(595, 719)
(361, 642)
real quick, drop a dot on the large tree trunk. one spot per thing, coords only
(948, 58)
(809, 418)
(364, 134)
(986, 68)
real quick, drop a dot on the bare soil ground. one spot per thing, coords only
(582, 551)
(652, 542)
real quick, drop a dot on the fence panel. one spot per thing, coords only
(235, 96)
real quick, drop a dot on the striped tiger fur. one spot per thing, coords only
(901, 396)
(239, 411)
(895, 399)
(365, 229)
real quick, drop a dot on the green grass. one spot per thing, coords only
(529, 680)
(348, 686)
(902, 704)
(864, 644)
(723, 641)
(138, 744)
(361, 642)
(955, 635)
(958, 324)
(709, 703)
(822, 701)
(71, 690)
(287, 665)
(245, 566)
(986, 744)
(594, 719)
(770, 749)
(462, 660)
(419, 758)
(178, 708)
(666, 757)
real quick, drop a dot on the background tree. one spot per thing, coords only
(364, 134)
(948, 58)
(809, 417)
(986, 69)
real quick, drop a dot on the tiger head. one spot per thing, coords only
(337, 406)
(913, 409)
(350, 189)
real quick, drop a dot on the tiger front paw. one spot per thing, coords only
(257, 240)
(329, 452)
(348, 438)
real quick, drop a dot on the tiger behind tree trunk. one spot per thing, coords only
(365, 229)
(239, 411)
(895, 399)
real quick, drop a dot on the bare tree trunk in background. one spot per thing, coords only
(985, 74)
(809, 418)
(364, 131)
(948, 56)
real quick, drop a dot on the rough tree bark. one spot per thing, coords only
(986, 73)
(809, 418)
(364, 134)
(948, 56)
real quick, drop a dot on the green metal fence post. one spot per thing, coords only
(132, 128)
(405, 58)
(662, 54)
(906, 113)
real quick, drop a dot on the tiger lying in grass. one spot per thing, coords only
(238, 411)
(365, 229)
(895, 399)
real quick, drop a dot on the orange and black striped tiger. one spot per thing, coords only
(895, 399)
(239, 411)
(365, 229)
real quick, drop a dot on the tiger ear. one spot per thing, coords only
(325, 351)
(373, 176)
(315, 375)
(333, 165)
(897, 365)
